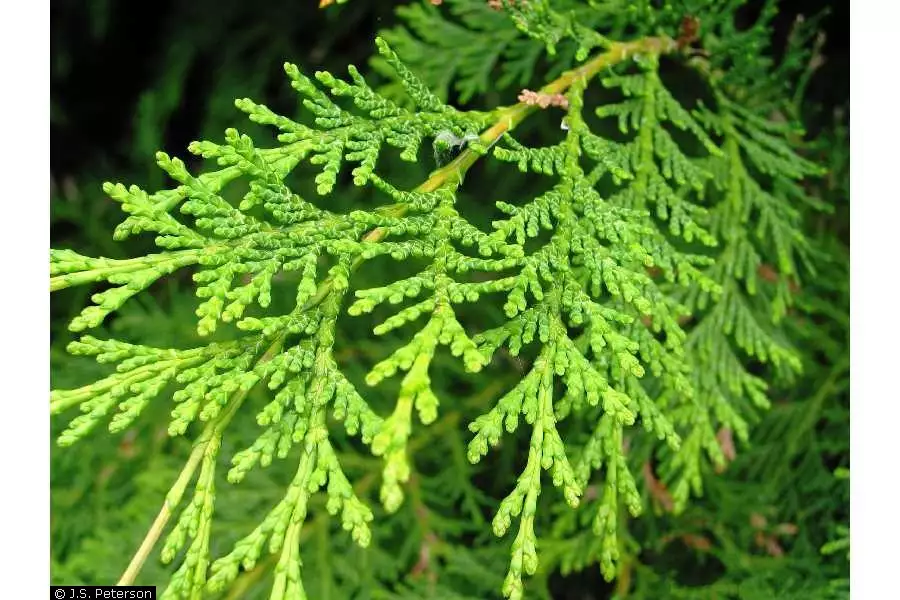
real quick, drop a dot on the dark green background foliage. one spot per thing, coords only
(128, 79)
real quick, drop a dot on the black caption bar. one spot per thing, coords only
(110, 592)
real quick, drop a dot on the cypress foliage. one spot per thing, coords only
(650, 297)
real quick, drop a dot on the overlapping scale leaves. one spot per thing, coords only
(446, 233)
(756, 193)
(238, 254)
(603, 326)
(644, 306)
(653, 171)
(657, 171)
(733, 193)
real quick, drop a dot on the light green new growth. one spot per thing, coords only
(641, 302)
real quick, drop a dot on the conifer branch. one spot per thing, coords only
(505, 120)
(213, 430)
(450, 175)
(634, 323)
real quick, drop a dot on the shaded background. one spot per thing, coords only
(131, 78)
